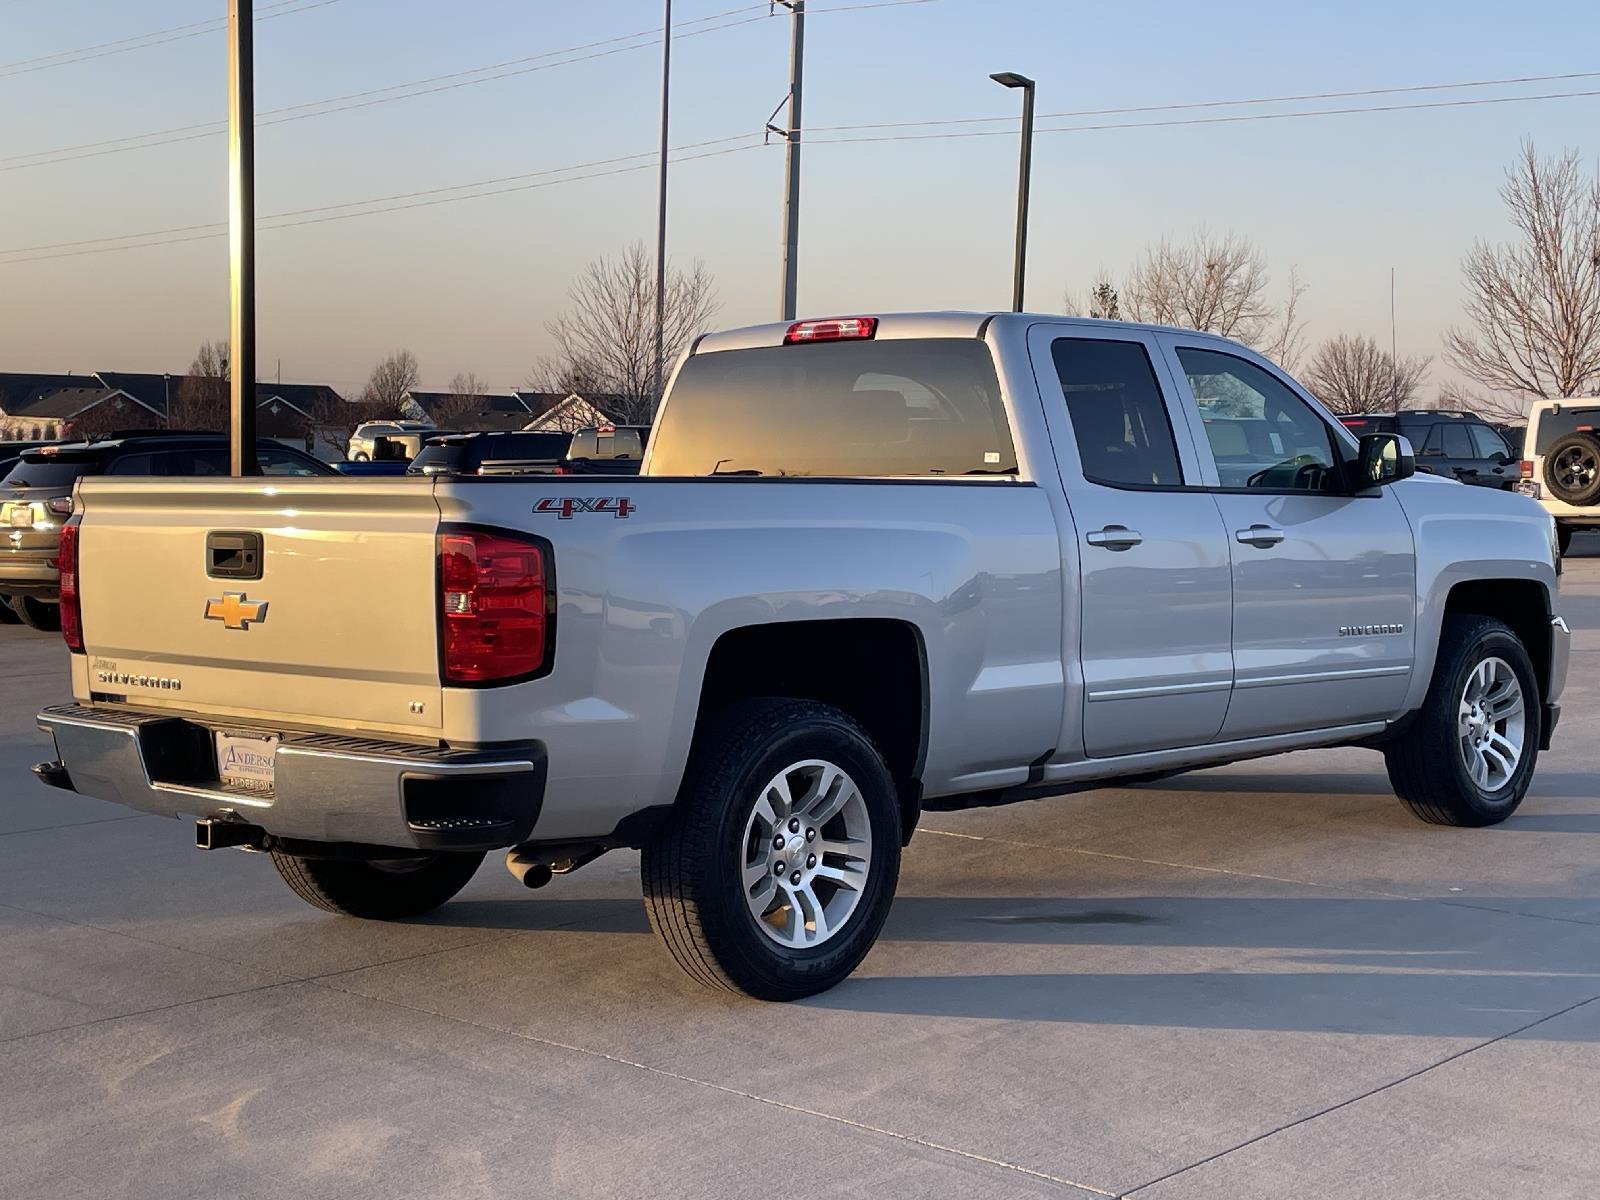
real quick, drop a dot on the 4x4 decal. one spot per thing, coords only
(565, 506)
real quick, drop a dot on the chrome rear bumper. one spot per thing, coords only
(327, 788)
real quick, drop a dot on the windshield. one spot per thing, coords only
(921, 406)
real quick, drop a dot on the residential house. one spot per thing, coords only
(36, 407)
(39, 407)
(568, 413)
(467, 413)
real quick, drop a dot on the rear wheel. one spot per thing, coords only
(1572, 468)
(1469, 756)
(43, 615)
(388, 889)
(779, 864)
(361, 456)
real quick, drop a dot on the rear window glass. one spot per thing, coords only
(46, 473)
(891, 408)
(471, 454)
(607, 443)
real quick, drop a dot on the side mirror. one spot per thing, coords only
(1383, 458)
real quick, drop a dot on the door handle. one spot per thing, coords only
(1259, 535)
(1114, 537)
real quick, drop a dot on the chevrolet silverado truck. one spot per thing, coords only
(873, 565)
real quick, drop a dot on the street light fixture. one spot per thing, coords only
(1011, 79)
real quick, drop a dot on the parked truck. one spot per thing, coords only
(873, 566)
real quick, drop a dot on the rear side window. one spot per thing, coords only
(1118, 416)
(46, 473)
(1451, 441)
(173, 464)
(919, 406)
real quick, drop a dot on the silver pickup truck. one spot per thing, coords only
(872, 566)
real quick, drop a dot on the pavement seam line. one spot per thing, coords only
(72, 825)
(860, 1126)
(1308, 883)
(145, 1012)
(1346, 1103)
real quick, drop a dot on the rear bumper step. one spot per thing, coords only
(327, 788)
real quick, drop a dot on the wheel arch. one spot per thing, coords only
(875, 669)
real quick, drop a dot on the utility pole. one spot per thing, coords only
(661, 218)
(242, 238)
(791, 161)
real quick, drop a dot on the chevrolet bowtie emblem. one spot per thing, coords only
(236, 612)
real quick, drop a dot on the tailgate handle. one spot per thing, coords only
(233, 555)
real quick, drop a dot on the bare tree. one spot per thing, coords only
(463, 399)
(1286, 343)
(201, 399)
(1353, 375)
(1103, 303)
(1214, 284)
(1534, 302)
(389, 382)
(607, 336)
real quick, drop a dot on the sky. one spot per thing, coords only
(910, 223)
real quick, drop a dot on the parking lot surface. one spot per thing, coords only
(1264, 980)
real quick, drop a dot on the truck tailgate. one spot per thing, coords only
(337, 626)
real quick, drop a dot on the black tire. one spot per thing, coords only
(1572, 468)
(1563, 537)
(361, 456)
(8, 615)
(43, 615)
(391, 890)
(1426, 761)
(693, 883)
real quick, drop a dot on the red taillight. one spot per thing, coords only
(1527, 468)
(71, 603)
(493, 608)
(1353, 422)
(839, 329)
(562, 470)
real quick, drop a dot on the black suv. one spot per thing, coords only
(515, 453)
(1455, 444)
(36, 501)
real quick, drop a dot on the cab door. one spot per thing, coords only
(1154, 580)
(1324, 578)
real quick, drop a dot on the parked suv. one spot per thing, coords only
(608, 450)
(363, 442)
(36, 500)
(1561, 463)
(1455, 444)
(493, 454)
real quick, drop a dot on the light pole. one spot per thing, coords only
(661, 204)
(791, 162)
(1011, 79)
(242, 238)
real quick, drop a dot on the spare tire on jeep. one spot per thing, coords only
(1572, 468)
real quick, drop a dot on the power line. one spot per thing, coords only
(177, 33)
(1282, 116)
(427, 197)
(1197, 104)
(535, 179)
(643, 39)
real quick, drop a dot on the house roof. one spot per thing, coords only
(509, 403)
(46, 396)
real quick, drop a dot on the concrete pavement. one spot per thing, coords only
(1262, 980)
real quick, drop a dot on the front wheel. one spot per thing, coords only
(779, 864)
(388, 889)
(1469, 756)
